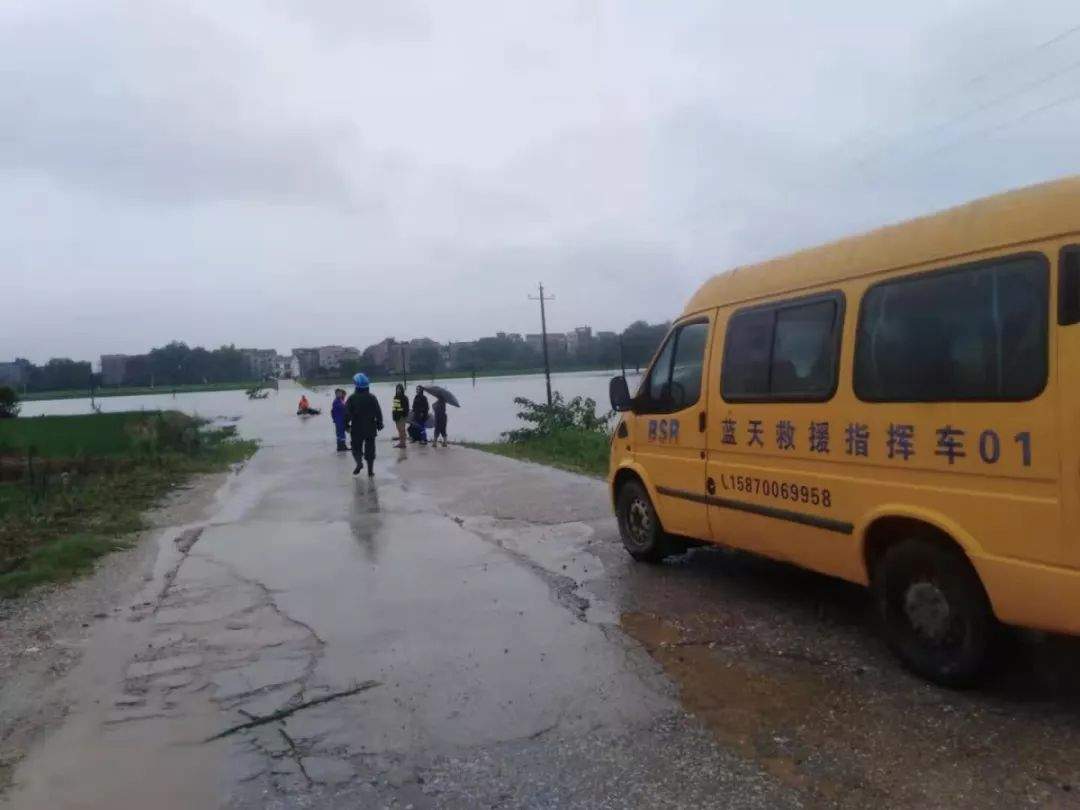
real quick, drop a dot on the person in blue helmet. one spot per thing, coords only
(363, 419)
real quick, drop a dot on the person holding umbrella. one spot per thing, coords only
(439, 409)
(363, 417)
(442, 399)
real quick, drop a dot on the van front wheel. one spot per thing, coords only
(642, 535)
(934, 611)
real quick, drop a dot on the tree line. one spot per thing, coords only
(634, 347)
(173, 364)
(176, 363)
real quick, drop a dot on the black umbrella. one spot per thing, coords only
(439, 392)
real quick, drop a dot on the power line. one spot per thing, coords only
(1023, 53)
(1012, 60)
(1005, 124)
(994, 102)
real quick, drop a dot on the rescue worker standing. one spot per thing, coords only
(363, 418)
(400, 413)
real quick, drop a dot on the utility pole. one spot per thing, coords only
(622, 357)
(404, 368)
(543, 330)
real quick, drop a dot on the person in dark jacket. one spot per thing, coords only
(440, 422)
(421, 410)
(363, 417)
(337, 414)
(400, 413)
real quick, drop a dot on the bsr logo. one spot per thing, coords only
(664, 430)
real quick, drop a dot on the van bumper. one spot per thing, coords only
(1028, 594)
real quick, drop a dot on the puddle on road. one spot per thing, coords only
(756, 713)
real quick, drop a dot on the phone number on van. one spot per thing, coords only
(784, 490)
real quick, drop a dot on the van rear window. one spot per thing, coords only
(783, 352)
(971, 333)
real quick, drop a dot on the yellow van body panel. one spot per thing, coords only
(811, 482)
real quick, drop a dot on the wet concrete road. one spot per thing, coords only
(424, 639)
(465, 631)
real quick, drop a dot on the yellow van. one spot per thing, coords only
(895, 409)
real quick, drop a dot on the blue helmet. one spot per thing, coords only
(361, 380)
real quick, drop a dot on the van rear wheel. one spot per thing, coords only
(642, 535)
(934, 611)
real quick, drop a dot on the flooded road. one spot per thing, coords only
(464, 631)
(487, 409)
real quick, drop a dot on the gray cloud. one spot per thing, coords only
(278, 172)
(151, 103)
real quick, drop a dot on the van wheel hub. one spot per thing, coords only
(639, 523)
(927, 609)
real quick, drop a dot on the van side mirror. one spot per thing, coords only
(620, 395)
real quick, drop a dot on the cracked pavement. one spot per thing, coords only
(424, 639)
(465, 631)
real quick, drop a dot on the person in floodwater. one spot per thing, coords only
(363, 418)
(337, 414)
(304, 407)
(439, 409)
(400, 413)
(421, 410)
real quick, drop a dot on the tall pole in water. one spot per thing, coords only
(543, 331)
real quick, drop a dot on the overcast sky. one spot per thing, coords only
(279, 173)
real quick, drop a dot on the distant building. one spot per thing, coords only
(114, 368)
(261, 363)
(578, 341)
(606, 336)
(332, 357)
(387, 354)
(15, 373)
(305, 362)
(282, 366)
(455, 353)
(556, 343)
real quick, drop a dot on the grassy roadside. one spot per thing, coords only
(578, 451)
(135, 390)
(87, 483)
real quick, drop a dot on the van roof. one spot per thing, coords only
(1026, 215)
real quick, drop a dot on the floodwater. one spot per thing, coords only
(487, 407)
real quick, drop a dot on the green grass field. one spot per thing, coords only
(96, 435)
(93, 479)
(578, 451)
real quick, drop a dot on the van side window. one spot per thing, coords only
(971, 333)
(783, 352)
(675, 378)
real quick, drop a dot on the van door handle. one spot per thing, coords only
(701, 422)
(710, 486)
